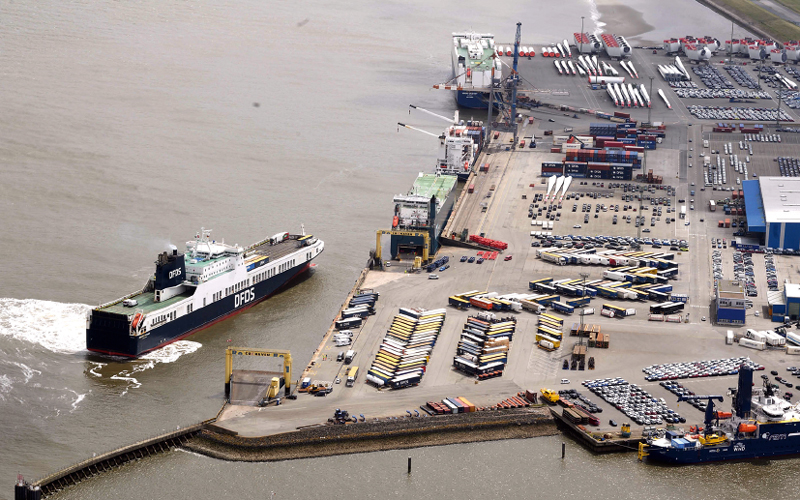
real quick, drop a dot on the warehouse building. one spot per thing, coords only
(773, 211)
(731, 303)
(785, 303)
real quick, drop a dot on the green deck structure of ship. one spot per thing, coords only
(145, 302)
(428, 186)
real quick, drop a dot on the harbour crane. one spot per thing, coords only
(438, 136)
(514, 80)
(452, 121)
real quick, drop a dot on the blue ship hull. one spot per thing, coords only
(120, 343)
(473, 100)
(773, 441)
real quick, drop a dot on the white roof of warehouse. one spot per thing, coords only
(775, 297)
(792, 290)
(781, 198)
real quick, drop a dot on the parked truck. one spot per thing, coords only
(555, 259)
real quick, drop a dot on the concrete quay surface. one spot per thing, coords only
(635, 342)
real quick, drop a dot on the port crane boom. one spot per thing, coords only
(453, 120)
(418, 130)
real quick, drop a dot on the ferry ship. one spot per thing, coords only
(191, 291)
(761, 425)
(472, 67)
(425, 208)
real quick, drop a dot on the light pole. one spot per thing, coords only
(730, 48)
(778, 114)
(651, 100)
(580, 44)
(580, 331)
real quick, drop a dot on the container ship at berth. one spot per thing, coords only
(762, 425)
(472, 67)
(193, 291)
(425, 208)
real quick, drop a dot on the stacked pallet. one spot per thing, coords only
(513, 402)
(405, 351)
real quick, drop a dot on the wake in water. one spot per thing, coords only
(61, 328)
(599, 25)
(167, 354)
(55, 326)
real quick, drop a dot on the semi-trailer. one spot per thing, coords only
(564, 308)
(752, 344)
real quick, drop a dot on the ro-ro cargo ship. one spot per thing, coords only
(191, 291)
(472, 67)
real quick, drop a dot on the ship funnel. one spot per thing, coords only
(170, 269)
(744, 393)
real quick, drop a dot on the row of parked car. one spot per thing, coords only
(790, 167)
(727, 113)
(610, 242)
(742, 77)
(716, 264)
(744, 272)
(772, 273)
(638, 404)
(698, 369)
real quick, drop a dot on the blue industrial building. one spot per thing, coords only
(773, 211)
(731, 303)
(785, 303)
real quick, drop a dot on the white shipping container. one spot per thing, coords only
(752, 344)
(774, 339)
(729, 337)
(587, 311)
(757, 336)
(549, 345)
(792, 349)
(630, 312)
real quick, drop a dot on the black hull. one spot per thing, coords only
(119, 343)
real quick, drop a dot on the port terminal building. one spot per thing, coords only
(731, 303)
(772, 205)
(785, 303)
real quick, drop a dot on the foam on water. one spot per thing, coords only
(5, 386)
(55, 326)
(167, 354)
(595, 15)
